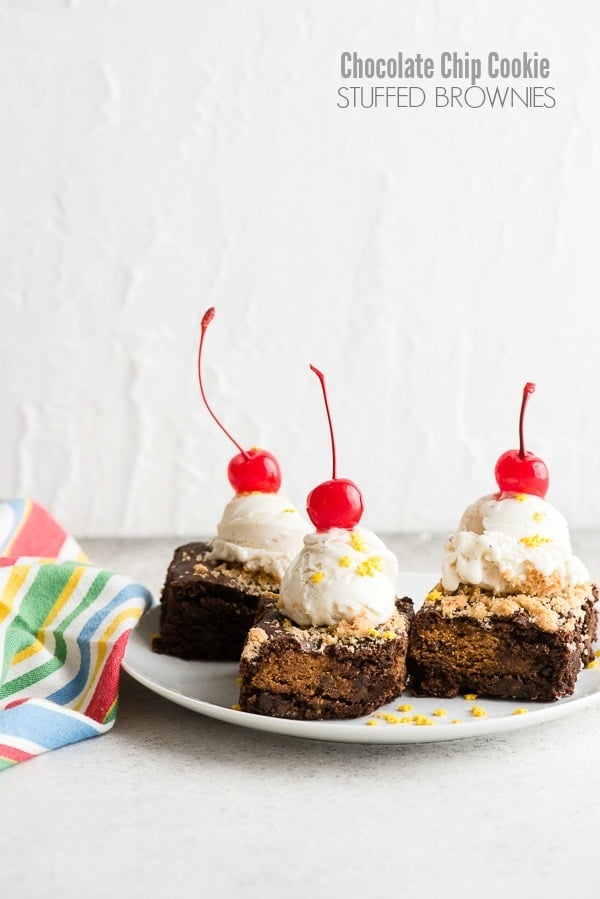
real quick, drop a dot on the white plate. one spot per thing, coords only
(211, 688)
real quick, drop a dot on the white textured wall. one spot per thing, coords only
(161, 156)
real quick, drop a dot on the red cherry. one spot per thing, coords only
(518, 471)
(256, 470)
(337, 503)
(250, 470)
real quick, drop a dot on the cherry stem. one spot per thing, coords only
(527, 391)
(206, 320)
(321, 378)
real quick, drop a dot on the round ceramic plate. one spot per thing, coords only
(211, 688)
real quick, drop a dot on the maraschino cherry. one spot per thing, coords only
(518, 471)
(249, 470)
(337, 503)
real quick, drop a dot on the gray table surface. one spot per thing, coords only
(174, 803)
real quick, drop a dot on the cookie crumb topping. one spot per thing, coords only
(534, 540)
(391, 719)
(369, 567)
(356, 542)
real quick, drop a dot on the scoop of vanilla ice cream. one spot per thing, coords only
(499, 539)
(340, 575)
(262, 530)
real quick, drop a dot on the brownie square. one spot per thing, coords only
(534, 657)
(208, 606)
(313, 673)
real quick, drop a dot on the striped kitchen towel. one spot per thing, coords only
(64, 626)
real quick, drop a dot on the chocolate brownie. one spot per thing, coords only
(312, 673)
(208, 606)
(509, 647)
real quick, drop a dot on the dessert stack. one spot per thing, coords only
(212, 589)
(333, 643)
(514, 615)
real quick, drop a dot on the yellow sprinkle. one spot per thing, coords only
(373, 632)
(345, 562)
(356, 542)
(520, 497)
(369, 566)
(478, 712)
(236, 707)
(290, 511)
(391, 719)
(372, 723)
(593, 664)
(535, 540)
(405, 720)
(389, 635)
(538, 516)
(238, 680)
(434, 595)
(520, 711)
(422, 720)
(456, 721)
(439, 713)
(597, 653)
(471, 697)
(405, 707)
(317, 576)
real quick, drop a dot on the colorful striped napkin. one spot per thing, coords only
(64, 626)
